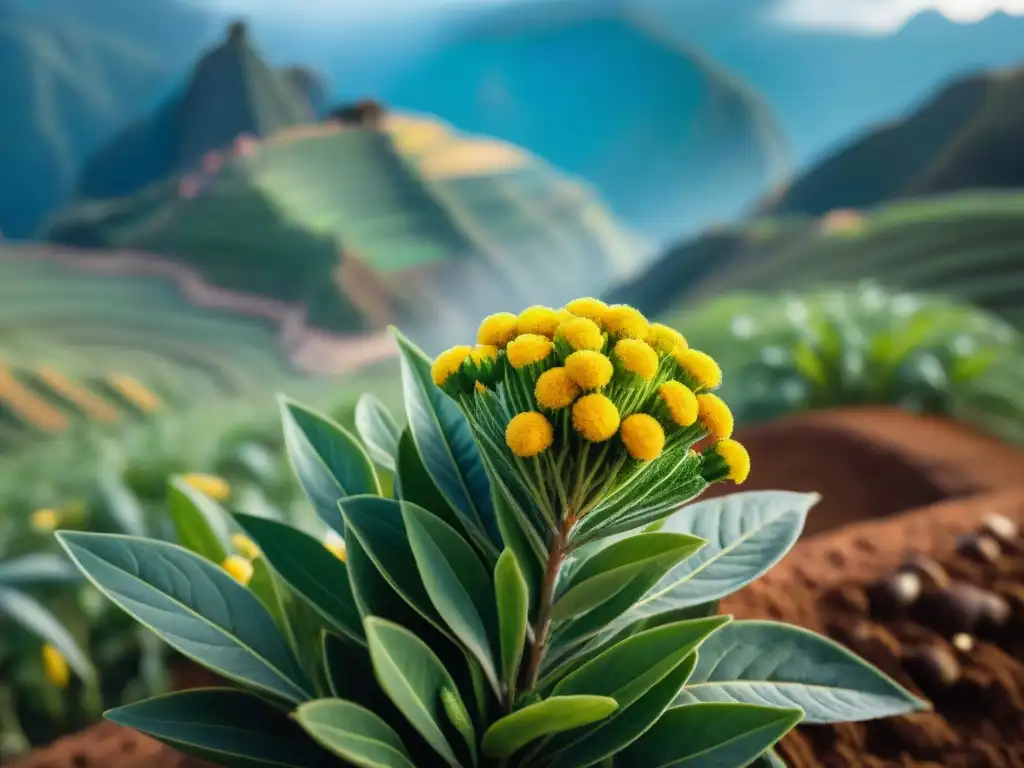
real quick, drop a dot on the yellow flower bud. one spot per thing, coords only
(216, 488)
(595, 417)
(666, 339)
(483, 354)
(590, 370)
(448, 363)
(542, 321)
(590, 308)
(528, 434)
(481, 387)
(55, 666)
(44, 520)
(336, 546)
(581, 333)
(528, 349)
(246, 547)
(680, 402)
(555, 389)
(497, 330)
(238, 568)
(715, 415)
(700, 366)
(624, 321)
(736, 459)
(637, 357)
(643, 436)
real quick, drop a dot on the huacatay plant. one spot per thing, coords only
(539, 591)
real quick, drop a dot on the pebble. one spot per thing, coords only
(980, 547)
(931, 574)
(1001, 528)
(963, 608)
(894, 593)
(932, 667)
(963, 642)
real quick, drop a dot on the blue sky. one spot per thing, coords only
(867, 16)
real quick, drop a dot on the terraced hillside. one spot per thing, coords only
(968, 246)
(413, 224)
(104, 340)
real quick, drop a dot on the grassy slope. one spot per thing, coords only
(477, 218)
(966, 137)
(968, 246)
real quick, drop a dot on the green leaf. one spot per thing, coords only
(310, 569)
(627, 725)
(224, 725)
(200, 522)
(328, 460)
(554, 715)
(628, 670)
(719, 735)
(512, 598)
(457, 583)
(263, 585)
(120, 504)
(378, 431)
(610, 583)
(416, 485)
(26, 611)
(765, 662)
(769, 759)
(353, 733)
(194, 606)
(747, 534)
(413, 678)
(38, 569)
(444, 440)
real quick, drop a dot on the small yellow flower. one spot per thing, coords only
(595, 417)
(592, 309)
(736, 459)
(481, 387)
(680, 402)
(625, 321)
(528, 349)
(528, 434)
(702, 367)
(239, 568)
(44, 520)
(497, 330)
(590, 370)
(448, 363)
(666, 339)
(542, 321)
(483, 354)
(55, 666)
(637, 357)
(216, 488)
(246, 547)
(581, 333)
(715, 415)
(643, 436)
(555, 389)
(336, 546)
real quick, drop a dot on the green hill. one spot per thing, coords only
(968, 246)
(601, 91)
(65, 87)
(413, 223)
(232, 92)
(968, 136)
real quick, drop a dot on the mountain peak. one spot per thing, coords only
(238, 31)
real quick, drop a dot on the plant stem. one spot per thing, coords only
(556, 555)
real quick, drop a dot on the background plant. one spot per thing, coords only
(418, 645)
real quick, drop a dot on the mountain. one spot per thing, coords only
(403, 220)
(232, 92)
(65, 88)
(667, 138)
(968, 136)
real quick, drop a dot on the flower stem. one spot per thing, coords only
(542, 628)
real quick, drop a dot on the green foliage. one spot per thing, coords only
(864, 345)
(429, 648)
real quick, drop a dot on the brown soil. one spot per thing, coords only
(841, 584)
(874, 462)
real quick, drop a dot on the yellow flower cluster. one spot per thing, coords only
(591, 373)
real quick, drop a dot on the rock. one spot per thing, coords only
(980, 547)
(894, 594)
(932, 667)
(931, 574)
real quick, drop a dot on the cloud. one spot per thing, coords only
(880, 16)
